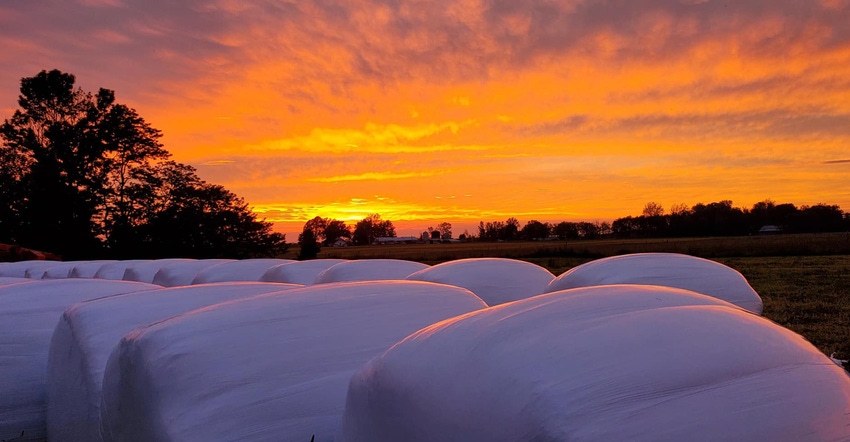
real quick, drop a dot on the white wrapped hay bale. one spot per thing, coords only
(369, 270)
(242, 270)
(87, 269)
(87, 332)
(39, 268)
(28, 314)
(61, 270)
(19, 269)
(272, 367)
(6, 280)
(636, 363)
(664, 269)
(184, 273)
(299, 272)
(115, 269)
(146, 270)
(495, 280)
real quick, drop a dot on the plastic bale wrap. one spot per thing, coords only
(185, 272)
(242, 270)
(271, 367)
(19, 269)
(115, 270)
(145, 271)
(369, 270)
(87, 332)
(636, 363)
(28, 314)
(6, 280)
(299, 272)
(664, 269)
(61, 270)
(495, 280)
(38, 269)
(88, 269)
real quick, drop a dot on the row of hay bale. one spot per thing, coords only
(639, 347)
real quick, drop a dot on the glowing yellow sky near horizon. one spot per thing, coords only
(472, 110)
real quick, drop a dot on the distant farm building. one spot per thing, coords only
(770, 230)
(396, 240)
(341, 242)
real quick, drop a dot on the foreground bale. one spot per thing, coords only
(369, 270)
(87, 332)
(28, 314)
(664, 269)
(242, 270)
(6, 280)
(636, 363)
(299, 272)
(184, 273)
(494, 280)
(271, 367)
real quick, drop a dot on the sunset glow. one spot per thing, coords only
(468, 110)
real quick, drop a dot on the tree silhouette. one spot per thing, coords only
(653, 209)
(87, 177)
(535, 231)
(371, 227)
(309, 244)
(334, 230)
(445, 229)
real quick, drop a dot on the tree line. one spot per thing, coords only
(713, 219)
(86, 177)
(723, 219)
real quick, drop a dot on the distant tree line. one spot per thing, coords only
(509, 230)
(722, 219)
(86, 177)
(713, 219)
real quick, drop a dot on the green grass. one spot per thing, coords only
(804, 280)
(807, 294)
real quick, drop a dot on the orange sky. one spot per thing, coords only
(468, 110)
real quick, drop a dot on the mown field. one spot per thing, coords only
(804, 280)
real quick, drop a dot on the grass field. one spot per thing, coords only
(804, 280)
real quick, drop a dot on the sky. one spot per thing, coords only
(468, 110)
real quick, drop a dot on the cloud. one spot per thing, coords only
(374, 176)
(606, 101)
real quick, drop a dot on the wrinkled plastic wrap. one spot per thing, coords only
(369, 270)
(29, 313)
(299, 272)
(271, 367)
(241, 270)
(664, 269)
(115, 269)
(88, 331)
(184, 273)
(19, 269)
(87, 269)
(145, 271)
(636, 363)
(495, 280)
